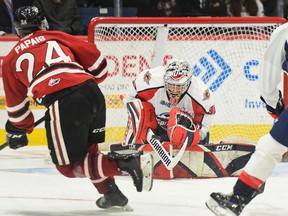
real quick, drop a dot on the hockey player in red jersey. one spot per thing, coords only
(62, 73)
(271, 147)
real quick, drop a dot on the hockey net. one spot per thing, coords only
(226, 53)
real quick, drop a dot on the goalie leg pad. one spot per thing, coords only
(213, 160)
(141, 116)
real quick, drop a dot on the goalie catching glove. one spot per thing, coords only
(280, 106)
(181, 126)
(15, 137)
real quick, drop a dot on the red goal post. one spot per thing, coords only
(226, 53)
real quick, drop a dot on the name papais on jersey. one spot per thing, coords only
(29, 42)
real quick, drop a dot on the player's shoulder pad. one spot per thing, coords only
(200, 92)
(59, 36)
(150, 78)
(276, 42)
(279, 31)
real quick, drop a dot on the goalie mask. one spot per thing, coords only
(29, 19)
(177, 79)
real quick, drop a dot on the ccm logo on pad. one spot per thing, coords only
(224, 147)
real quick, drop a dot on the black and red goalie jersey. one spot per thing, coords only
(45, 62)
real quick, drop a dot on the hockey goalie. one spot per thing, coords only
(168, 105)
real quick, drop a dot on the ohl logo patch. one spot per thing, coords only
(206, 95)
(147, 77)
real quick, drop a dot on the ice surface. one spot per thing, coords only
(30, 186)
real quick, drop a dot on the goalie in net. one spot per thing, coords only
(177, 105)
(163, 92)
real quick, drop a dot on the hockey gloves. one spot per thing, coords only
(181, 126)
(15, 137)
(280, 106)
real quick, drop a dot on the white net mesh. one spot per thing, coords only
(227, 55)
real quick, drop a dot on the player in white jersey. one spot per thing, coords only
(166, 88)
(272, 146)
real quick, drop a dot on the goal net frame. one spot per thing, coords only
(224, 36)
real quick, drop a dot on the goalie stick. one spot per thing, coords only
(4, 145)
(168, 160)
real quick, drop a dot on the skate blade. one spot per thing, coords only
(126, 208)
(147, 167)
(218, 210)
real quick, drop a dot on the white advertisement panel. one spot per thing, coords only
(229, 68)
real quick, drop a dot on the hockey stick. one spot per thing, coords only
(168, 160)
(35, 125)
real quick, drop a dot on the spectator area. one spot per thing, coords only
(88, 13)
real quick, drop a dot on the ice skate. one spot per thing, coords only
(113, 199)
(140, 167)
(226, 205)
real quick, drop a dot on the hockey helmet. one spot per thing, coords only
(29, 19)
(177, 79)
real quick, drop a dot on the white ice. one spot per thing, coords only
(30, 186)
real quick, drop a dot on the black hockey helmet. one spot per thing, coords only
(29, 19)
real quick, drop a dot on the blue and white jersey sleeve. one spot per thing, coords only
(275, 62)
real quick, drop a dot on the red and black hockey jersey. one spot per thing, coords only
(45, 62)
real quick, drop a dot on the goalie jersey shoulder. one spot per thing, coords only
(149, 79)
(200, 92)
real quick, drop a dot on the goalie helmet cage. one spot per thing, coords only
(225, 52)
